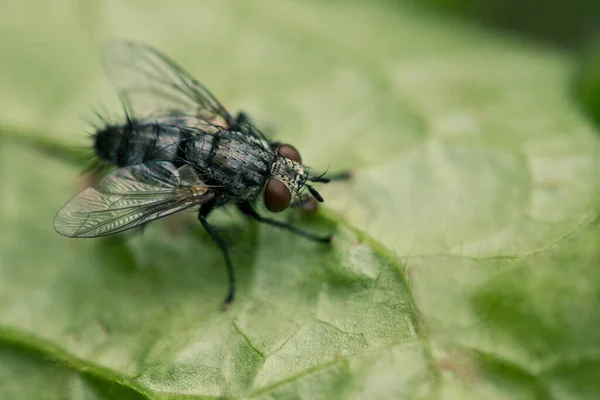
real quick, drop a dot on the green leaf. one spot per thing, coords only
(465, 262)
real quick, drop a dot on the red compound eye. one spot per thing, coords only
(290, 152)
(277, 196)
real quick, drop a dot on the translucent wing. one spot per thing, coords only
(152, 85)
(129, 197)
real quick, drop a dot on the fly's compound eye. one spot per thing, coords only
(277, 196)
(290, 152)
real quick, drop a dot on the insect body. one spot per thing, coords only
(180, 148)
(226, 157)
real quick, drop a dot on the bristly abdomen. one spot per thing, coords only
(107, 142)
(140, 142)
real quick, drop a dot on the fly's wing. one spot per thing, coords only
(129, 197)
(153, 86)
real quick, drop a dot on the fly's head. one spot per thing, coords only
(288, 177)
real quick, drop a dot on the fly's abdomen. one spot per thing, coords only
(137, 143)
(107, 143)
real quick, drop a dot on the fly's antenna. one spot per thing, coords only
(315, 194)
(317, 179)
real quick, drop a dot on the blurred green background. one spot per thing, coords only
(570, 24)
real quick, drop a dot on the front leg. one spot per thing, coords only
(247, 209)
(340, 176)
(205, 209)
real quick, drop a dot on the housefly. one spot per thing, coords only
(180, 148)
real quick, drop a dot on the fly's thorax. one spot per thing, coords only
(238, 164)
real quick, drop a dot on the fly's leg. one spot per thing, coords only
(247, 209)
(340, 176)
(205, 209)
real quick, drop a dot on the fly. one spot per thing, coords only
(180, 148)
